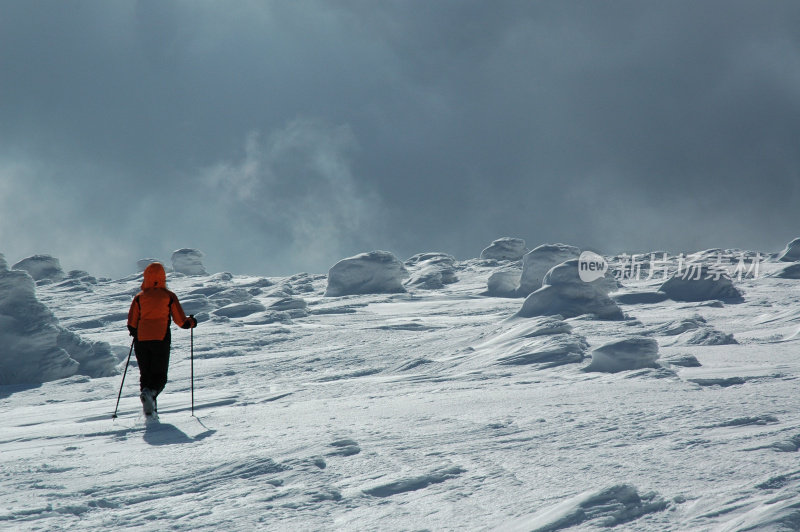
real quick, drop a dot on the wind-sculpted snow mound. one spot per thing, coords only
(41, 267)
(605, 508)
(676, 327)
(240, 310)
(188, 261)
(431, 270)
(226, 296)
(503, 283)
(693, 331)
(700, 283)
(684, 360)
(706, 336)
(414, 483)
(564, 293)
(639, 297)
(33, 347)
(546, 341)
(773, 505)
(791, 253)
(790, 271)
(376, 272)
(539, 261)
(141, 264)
(505, 248)
(623, 355)
(95, 359)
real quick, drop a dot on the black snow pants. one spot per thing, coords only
(153, 359)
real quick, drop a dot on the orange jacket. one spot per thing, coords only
(152, 308)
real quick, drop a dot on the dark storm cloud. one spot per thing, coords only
(280, 136)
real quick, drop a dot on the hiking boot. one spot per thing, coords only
(148, 401)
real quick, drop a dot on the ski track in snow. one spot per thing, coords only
(403, 412)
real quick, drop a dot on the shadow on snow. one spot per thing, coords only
(167, 434)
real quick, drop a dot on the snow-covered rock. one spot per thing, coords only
(621, 355)
(700, 283)
(505, 248)
(33, 347)
(539, 261)
(431, 270)
(41, 267)
(564, 293)
(376, 272)
(791, 253)
(188, 261)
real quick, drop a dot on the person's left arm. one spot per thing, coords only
(179, 316)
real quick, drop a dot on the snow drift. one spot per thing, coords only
(603, 508)
(33, 347)
(790, 271)
(376, 272)
(545, 341)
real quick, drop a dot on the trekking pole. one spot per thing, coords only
(114, 415)
(191, 336)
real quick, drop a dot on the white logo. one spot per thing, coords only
(591, 266)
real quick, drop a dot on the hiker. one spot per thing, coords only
(148, 323)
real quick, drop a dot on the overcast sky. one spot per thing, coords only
(282, 136)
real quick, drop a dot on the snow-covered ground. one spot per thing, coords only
(434, 409)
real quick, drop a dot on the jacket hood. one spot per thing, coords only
(154, 276)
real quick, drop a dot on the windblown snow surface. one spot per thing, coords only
(435, 409)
